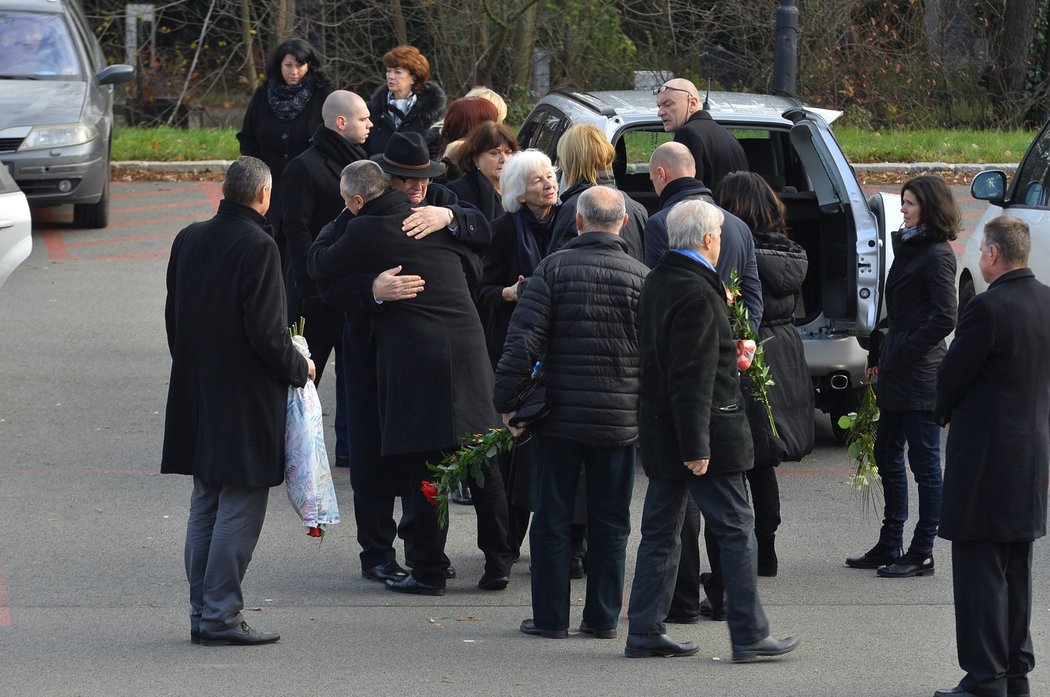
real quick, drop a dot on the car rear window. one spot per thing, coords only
(36, 45)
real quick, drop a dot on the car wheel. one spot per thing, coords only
(966, 291)
(93, 215)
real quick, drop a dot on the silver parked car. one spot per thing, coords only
(16, 227)
(1027, 197)
(844, 232)
(57, 118)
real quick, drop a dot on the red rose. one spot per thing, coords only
(430, 492)
(745, 353)
(315, 532)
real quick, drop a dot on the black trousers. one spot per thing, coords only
(374, 516)
(428, 539)
(992, 584)
(492, 512)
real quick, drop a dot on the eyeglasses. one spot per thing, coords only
(664, 88)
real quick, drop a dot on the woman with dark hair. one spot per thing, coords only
(408, 101)
(920, 312)
(519, 238)
(782, 266)
(462, 117)
(284, 112)
(481, 158)
(585, 157)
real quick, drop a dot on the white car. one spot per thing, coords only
(16, 227)
(1028, 198)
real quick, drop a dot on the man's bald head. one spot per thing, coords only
(668, 162)
(600, 209)
(676, 101)
(347, 114)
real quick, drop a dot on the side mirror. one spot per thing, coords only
(115, 74)
(989, 186)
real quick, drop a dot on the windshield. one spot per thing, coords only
(36, 45)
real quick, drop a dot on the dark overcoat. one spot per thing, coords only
(565, 221)
(920, 312)
(691, 406)
(434, 378)
(475, 189)
(276, 142)
(994, 388)
(428, 109)
(782, 266)
(716, 150)
(232, 358)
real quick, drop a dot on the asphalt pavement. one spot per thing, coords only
(93, 599)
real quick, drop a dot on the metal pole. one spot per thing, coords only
(785, 55)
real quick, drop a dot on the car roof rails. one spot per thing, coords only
(589, 100)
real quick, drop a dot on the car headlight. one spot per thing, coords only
(58, 136)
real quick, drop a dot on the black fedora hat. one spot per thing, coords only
(406, 156)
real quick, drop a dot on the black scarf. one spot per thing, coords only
(533, 236)
(288, 101)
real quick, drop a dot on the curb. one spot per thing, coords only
(870, 168)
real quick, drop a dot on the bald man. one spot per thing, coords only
(715, 150)
(310, 191)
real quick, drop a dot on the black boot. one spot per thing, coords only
(879, 555)
(767, 555)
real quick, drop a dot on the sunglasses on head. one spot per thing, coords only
(664, 88)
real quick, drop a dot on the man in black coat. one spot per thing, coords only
(695, 441)
(433, 376)
(716, 150)
(578, 315)
(310, 189)
(672, 169)
(232, 364)
(993, 387)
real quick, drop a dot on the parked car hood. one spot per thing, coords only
(36, 102)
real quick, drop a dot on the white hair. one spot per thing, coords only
(517, 170)
(689, 221)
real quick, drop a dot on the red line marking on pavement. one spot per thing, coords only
(5, 612)
(116, 240)
(55, 245)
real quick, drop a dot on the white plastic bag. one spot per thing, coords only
(307, 476)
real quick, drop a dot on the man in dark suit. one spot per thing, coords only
(695, 441)
(716, 150)
(310, 191)
(434, 380)
(232, 364)
(993, 387)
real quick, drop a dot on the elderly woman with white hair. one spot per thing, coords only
(520, 236)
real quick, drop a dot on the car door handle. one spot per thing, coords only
(4, 224)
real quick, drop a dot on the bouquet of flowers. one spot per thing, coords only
(860, 427)
(307, 476)
(477, 451)
(751, 356)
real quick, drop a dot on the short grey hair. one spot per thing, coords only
(1012, 236)
(363, 178)
(602, 209)
(245, 177)
(689, 221)
(517, 170)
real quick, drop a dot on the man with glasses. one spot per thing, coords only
(716, 151)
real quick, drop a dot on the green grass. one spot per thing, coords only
(955, 147)
(174, 144)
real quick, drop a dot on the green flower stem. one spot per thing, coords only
(478, 450)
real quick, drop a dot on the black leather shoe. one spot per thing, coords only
(708, 610)
(765, 647)
(879, 555)
(195, 636)
(384, 572)
(461, 497)
(529, 627)
(241, 635)
(956, 691)
(681, 619)
(649, 645)
(409, 584)
(911, 564)
(597, 633)
(493, 583)
(450, 572)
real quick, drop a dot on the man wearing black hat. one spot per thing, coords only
(432, 368)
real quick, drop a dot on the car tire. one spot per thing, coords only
(93, 215)
(966, 291)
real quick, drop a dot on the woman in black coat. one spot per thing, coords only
(408, 102)
(782, 266)
(481, 158)
(284, 113)
(920, 310)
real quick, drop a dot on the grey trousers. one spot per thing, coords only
(223, 529)
(722, 498)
